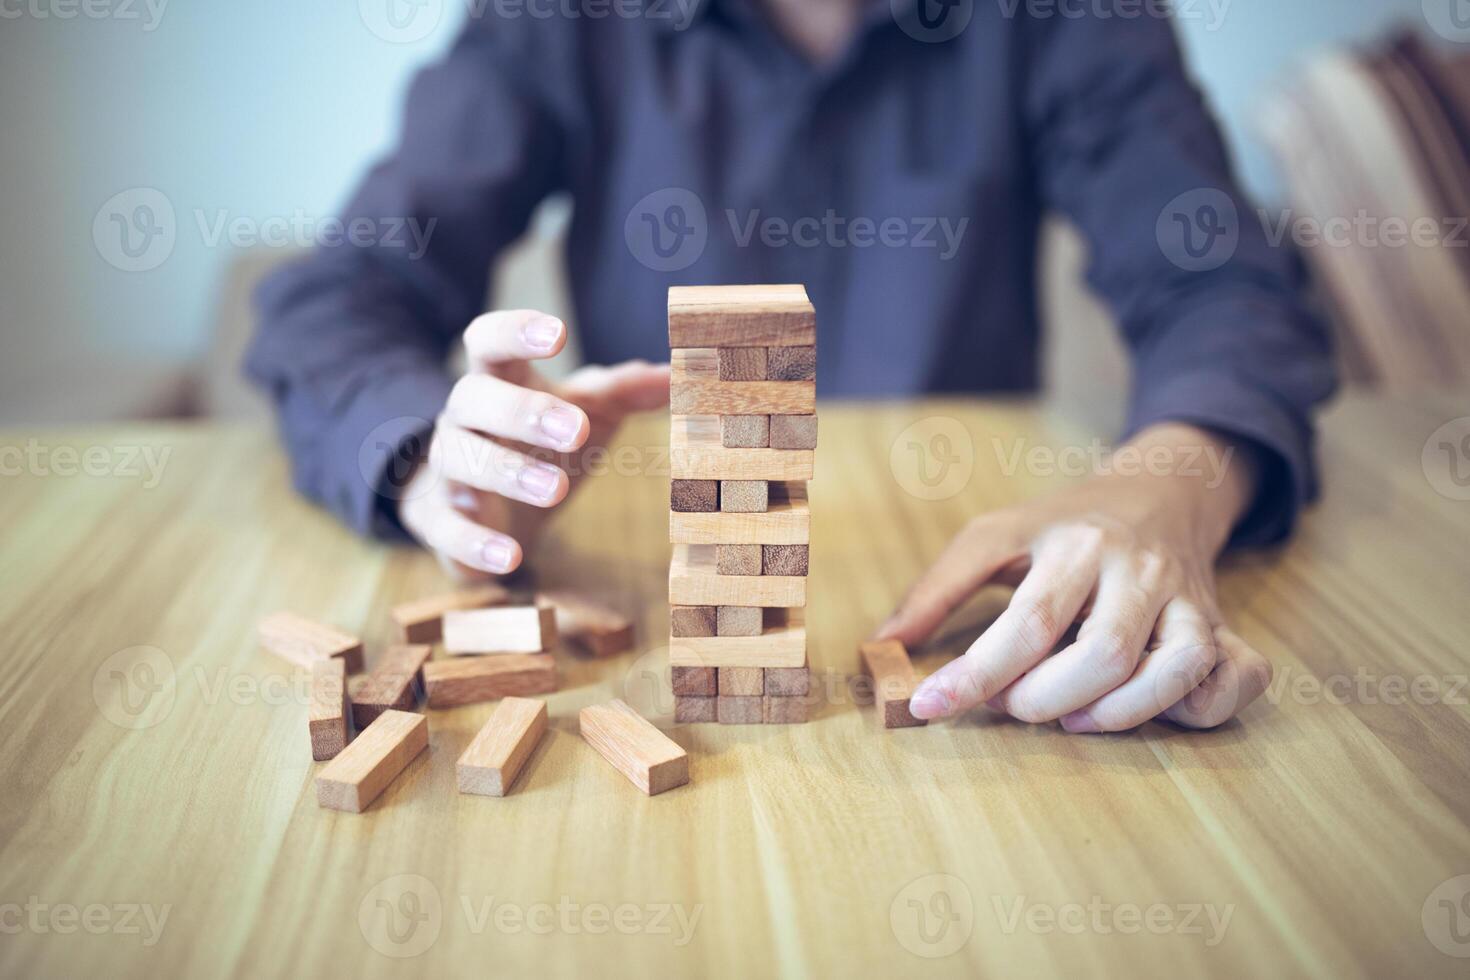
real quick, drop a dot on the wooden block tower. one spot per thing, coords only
(741, 451)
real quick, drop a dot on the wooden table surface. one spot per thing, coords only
(1323, 833)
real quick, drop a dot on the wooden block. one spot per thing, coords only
(787, 520)
(784, 710)
(744, 496)
(418, 621)
(724, 316)
(394, 683)
(467, 680)
(738, 710)
(792, 432)
(788, 682)
(650, 759)
(694, 496)
(738, 559)
(742, 682)
(894, 680)
(303, 641)
(696, 453)
(692, 621)
(739, 620)
(791, 364)
(695, 388)
(781, 644)
(692, 710)
(602, 630)
(742, 363)
(784, 559)
(745, 431)
(327, 712)
(499, 630)
(493, 760)
(695, 682)
(693, 581)
(360, 772)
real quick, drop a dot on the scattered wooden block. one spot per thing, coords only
(784, 559)
(692, 621)
(784, 710)
(723, 316)
(744, 496)
(787, 521)
(303, 641)
(738, 559)
(695, 388)
(691, 710)
(467, 680)
(738, 710)
(745, 431)
(788, 682)
(419, 621)
(742, 363)
(394, 683)
(694, 581)
(602, 630)
(696, 452)
(500, 630)
(742, 681)
(650, 759)
(791, 364)
(695, 682)
(739, 621)
(694, 496)
(792, 432)
(360, 772)
(781, 644)
(894, 680)
(493, 760)
(327, 712)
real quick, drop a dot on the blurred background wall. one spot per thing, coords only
(268, 110)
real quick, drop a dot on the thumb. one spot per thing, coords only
(632, 386)
(975, 556)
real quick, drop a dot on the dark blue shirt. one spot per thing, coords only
(904, 183)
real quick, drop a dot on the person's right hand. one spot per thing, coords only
(484, 491)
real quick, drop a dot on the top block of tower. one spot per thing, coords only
(741, 316)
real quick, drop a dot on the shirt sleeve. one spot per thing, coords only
(1213, 314)
(352, 341)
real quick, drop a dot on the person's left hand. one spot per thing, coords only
(1129, 557)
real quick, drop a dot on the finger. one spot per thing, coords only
(1064, 570)
(513, 335)
(1108, 647)
(469, 458)
(451, 535)
(633, 386)
(1185, 657)
(496, 407)
(1240, 676)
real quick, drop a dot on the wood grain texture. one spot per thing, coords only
(467, 680)
(694, 496)
(695, 388)
(792, 432)
(785, 559)
(394, 683)
(784, 710)
(650, 759)
(744, 496)
(696, 682)
(740, 316)
(327, 713)
(745, 431)
(693, 581)
(596, 626)
(304, 641)
(693, 620)
(696, 452)
(782, 643)
(1325, 822)
(693, 710)
(785, 682)
(787, 520)
(741, 682)
(741, 363)
(738, 559)
(791, 364)
(490, 764)
(500, 630)
(360, 772)
(738, 710)
(739, 620)
(419, 620)
(886, 663)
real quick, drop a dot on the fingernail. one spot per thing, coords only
(1079, 722)
(561, 424)
(539, 480)
(497, 553)
(929, 701)
(541, 333)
